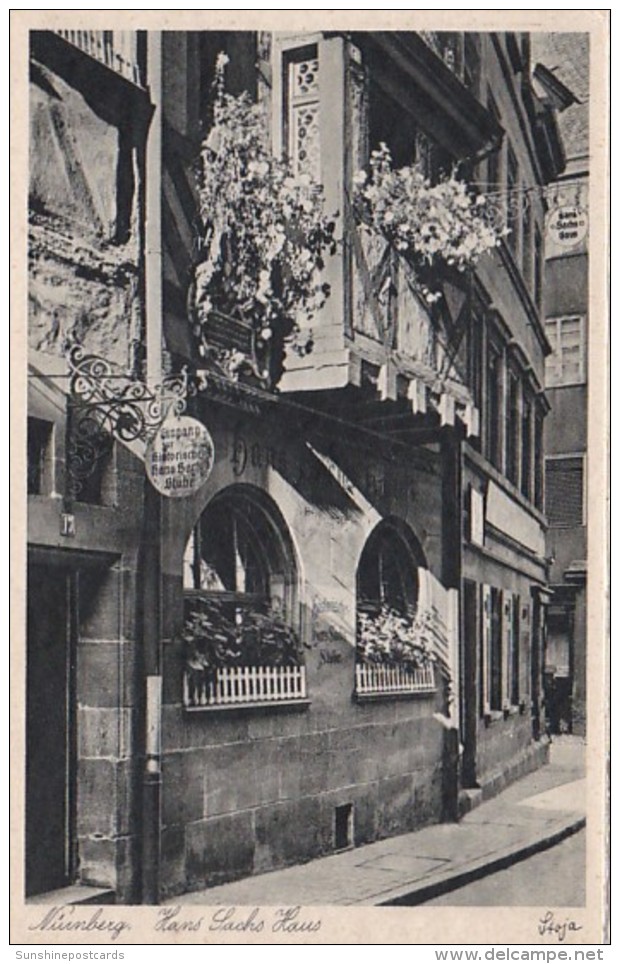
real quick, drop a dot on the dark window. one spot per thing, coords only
(389, 123)
(527, 243)
(239, 555)
(39, 456)
(564, 491)
(512, 429)
(387, 572)
(538, 459)
(526, 449)
(98, 485)
(495, 651)
(512, 186)
(538, 268)
(493, 405)
(471, 66)
(494, 169)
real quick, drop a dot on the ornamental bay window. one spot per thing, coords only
(302, 113)
(240, 577)
(394, 652)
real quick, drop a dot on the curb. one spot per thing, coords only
(411, 896)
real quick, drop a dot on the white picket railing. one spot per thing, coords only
(236, 685)
(374, 680)
(114, 48)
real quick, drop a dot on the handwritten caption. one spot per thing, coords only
(175, 920)
(549, 926)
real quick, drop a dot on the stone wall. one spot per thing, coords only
(249, 790)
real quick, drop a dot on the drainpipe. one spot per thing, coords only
(451, 572)
(151, 538)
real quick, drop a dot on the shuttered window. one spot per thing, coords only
(564, 491)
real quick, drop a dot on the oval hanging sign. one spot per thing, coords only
(180, 458)
(567, 226)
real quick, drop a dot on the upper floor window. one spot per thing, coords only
(512, 428)
(538, 267)
(494, 168)
(303, 134)
(39, 456)
(527, 248)
(493, 405)
(526, 448)
(564, 491)
(471, 63)
(566, 363)
(513, 218)
(538, 457)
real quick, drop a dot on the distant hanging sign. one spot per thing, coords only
(180, 458)
(567, 226)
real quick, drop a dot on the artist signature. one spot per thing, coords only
(549, 926)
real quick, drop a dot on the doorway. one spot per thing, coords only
(50, 729)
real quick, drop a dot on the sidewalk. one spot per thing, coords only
(534, 813)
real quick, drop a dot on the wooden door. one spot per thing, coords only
(49, 730)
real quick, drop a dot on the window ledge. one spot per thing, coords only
(384, 697)
(264, 705)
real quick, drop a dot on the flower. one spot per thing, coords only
(266, 232)
(393, 637)
(428, 224)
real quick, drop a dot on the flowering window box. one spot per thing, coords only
(244, 685)
(377, 680)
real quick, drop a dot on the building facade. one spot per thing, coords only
(225, 703)
(566, 323)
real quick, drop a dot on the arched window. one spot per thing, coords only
(394, 649)
(387, 572)
(240, 582)
(240, 552)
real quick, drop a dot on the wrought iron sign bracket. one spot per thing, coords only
(106, 404)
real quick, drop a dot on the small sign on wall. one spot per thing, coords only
(476, 517)
(567, 226)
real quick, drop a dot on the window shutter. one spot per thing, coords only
(507, 646)
(486, 644)
(564, 491)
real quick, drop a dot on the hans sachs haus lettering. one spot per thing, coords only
(180, 458)
(567, 226)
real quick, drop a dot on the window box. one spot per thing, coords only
(244, 686)
(376, 680)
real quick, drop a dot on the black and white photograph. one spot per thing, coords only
(313, 324)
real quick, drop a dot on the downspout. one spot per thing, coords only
(151, 537)
(451, 436)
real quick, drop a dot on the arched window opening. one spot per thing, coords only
(394, 636)
(240, 579)
(387, 572)
(239, 553)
